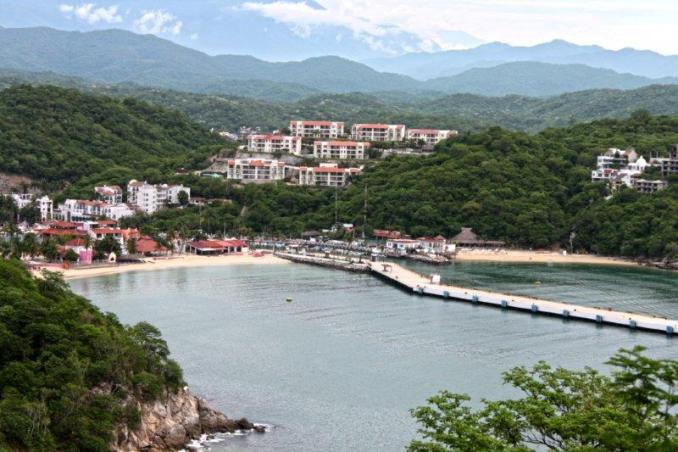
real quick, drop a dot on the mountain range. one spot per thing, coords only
(424, 66)
(116, 56)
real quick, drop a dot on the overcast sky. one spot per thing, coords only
(294, 29)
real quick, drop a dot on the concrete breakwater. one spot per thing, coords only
(430, 286)
(421, 285)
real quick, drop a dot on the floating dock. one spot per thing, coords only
(421, 285)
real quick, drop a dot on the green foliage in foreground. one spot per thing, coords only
(67, 370)
(56, 135)
(634, 409)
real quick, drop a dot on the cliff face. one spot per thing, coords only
(169, 424)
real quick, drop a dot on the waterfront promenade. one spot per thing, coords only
(431, 286)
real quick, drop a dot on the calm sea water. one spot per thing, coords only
(340, 367)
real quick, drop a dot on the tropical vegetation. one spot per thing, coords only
(633, 409)
(69, 374)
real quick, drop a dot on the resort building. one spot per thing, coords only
(317, 129)
(326, 175)
(85, 210)
(270, 143)
(649, 186)
(668, 165)
(151, 198)
(257, 170)
(44, 204)
(109, 194)
(378, 132)
(468, 238)
(340, 150)
(385, 234)
(402, 245)
(430, 136)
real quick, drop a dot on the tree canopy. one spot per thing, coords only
(634, 409)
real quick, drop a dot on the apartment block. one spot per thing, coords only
(270, 143)
(326, 175)
(151, 198)
(44, 204)
(257, 170)
(378, 132)
(430, 136)
(317, 129)
(649, 186)
(340, 150)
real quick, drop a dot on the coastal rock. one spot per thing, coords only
(171, 423)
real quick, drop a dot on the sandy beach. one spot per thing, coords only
(540, 257)
(183, 261)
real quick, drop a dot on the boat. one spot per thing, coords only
(288, 299)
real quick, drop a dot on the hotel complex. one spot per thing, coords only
(326, 175)
(430, 136)
(256, 170)
(378, 132)
(271, 143)
(342, 150)
(317, 129)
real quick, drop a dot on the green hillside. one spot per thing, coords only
(58, 353)
(57, 136)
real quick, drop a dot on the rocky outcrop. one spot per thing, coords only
(171, 423)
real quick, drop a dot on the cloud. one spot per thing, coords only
(369, 21)
(158, 21)
(91, 14)
(450, 24)
(195, 36)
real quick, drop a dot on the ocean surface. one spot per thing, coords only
(339, 368)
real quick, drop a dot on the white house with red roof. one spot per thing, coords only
(111, 194)
(326, 175)
(257, 170)
(150, 198)
(317, 129)
(430, 136)
(340, 150)
(378, 132)
(272, 143)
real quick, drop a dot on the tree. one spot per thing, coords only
(49, 249)
(132, 246)
(30, 214)
(104, 247)
(71, 256)
(183, 198)
(563, 410)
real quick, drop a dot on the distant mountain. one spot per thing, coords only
(115, 56)
(538, 80)
(424, 66)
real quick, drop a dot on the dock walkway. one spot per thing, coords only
(431, 286)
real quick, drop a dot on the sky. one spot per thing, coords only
(361, 29)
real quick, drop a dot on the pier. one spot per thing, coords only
(430, 286)
(352, 265)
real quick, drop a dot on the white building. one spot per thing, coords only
(118, 211)
(430, 136)
(270, 143)
(378, 132)
(81, 210)
(110, 194)
(44, 204)
(342, 150)
(326, 175)
(151, 198)
(317, 129)
(257, 170)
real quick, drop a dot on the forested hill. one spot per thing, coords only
(458, 111)
(58, 354)
(56, 135)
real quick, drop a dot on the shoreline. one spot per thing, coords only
(181, 261)
(540, 257)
